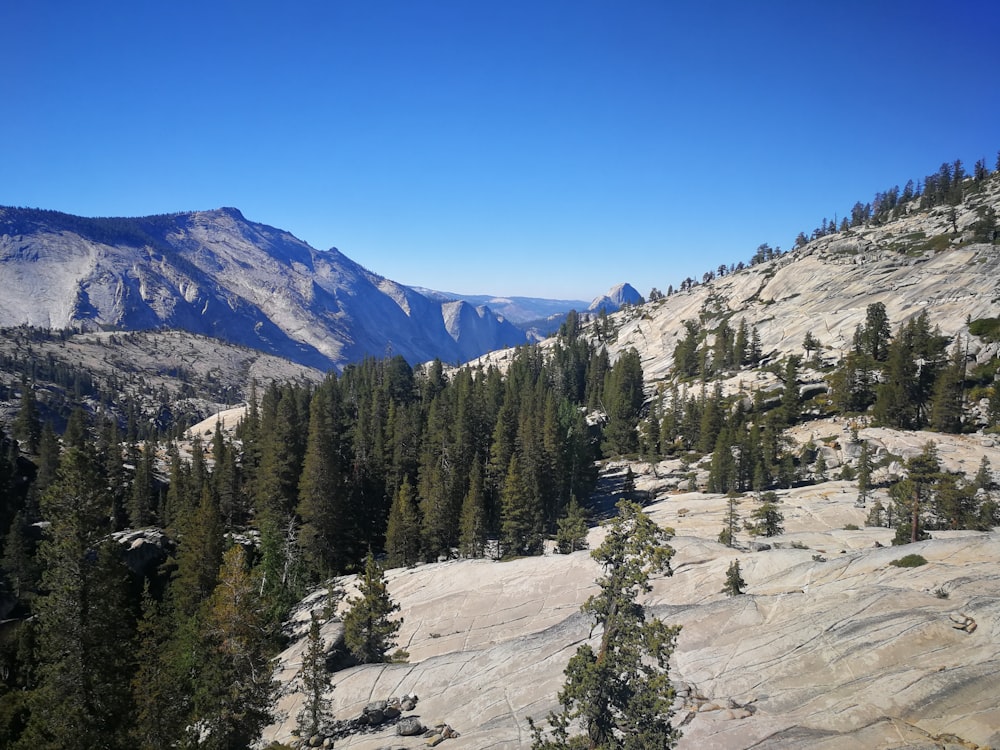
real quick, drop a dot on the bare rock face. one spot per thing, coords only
(825, 287)
(831, 646)
(144, 549)
(216, 273)
(819, 293)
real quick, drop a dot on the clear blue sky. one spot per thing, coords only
(519, 148)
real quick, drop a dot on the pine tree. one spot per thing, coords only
(142, 500)
(820, 466)
(984, 476)
(473, 521)
(316, 714)
(572, 528)
(767, 516)
(877, 515)
(741, 344)
(48, 460)
(894, 402)
(913, 495)
(19, 564)
(722, 470)
(282, 452)
(731, 521)
(27, 426)
(198, 559)
(368, 631)
(226, 482)
(734, 580)
(791, 399)
(159, 690)
(864, 474)
(946, 412)
(402, 537)
(234, 688)
(281, 572)
(620, 695)
(82, 700)
(811, 344)
(521, 519)
(623, 398)
(852, 385)
(326, 523)
(873, 338)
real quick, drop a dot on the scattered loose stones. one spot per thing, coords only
(378, 714)
(692, 700)
(961, 621)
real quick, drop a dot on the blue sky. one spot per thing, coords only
(519, 148)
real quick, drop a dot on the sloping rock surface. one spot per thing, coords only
(831, 647)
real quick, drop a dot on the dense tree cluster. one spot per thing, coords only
(929, 498)
(381, 457)
(948, 186)
(744, 441)
(909, 379)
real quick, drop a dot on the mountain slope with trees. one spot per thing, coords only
(729, 409)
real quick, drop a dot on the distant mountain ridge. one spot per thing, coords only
(518, 310)
(217, 274)
(540, 317)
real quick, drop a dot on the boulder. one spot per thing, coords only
(374, 713)
(409, 726)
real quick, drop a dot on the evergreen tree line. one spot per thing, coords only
(950, 185)
(908, 380)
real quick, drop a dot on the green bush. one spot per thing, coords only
(987, 328)
(910, 561)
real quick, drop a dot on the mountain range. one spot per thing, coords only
(217, 274)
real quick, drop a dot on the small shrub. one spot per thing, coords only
(987, 328)
(940, 593)
(850, 527)
(910, 561)
(798, 545)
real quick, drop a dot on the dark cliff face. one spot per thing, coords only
(218, 274)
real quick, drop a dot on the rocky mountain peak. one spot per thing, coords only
(218, 274)
(617, 297)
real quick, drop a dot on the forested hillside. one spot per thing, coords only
(147, 572)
